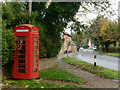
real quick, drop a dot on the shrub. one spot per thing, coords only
(8, 44)
(114, 49)
(100, 48)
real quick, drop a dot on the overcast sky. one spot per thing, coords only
(92, 16)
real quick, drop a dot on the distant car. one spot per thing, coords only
(95, 48)
(65, 51)
(68, 52)
(81, 48)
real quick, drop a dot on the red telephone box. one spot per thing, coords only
(26, 55)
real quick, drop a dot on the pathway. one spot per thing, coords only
(93, 80)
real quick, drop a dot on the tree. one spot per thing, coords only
(53, 20)
(118, 30)
(77, 38)
(105, 34)
(114, 32)
(12, 14)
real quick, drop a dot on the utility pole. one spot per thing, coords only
(67, 48)
(30, 10)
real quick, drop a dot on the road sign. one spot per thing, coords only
(67, 39)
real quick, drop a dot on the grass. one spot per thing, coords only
(49, 74)
(35, 84)
(109, 54)
(114, 54)
(59, 74)
(101, 71)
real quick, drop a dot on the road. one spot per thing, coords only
(101, 60)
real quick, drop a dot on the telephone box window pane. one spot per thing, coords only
(21, 70)
(22, 47)
(35, 52)
(35, 47)
(35, 70)
(35, 66)
(21, 56)
(21, 37)
(22, 42)
(35, 38)
(21, 61)
(35, 42)
(35, 61)
(34, 31)
(21, 51)
(35, 56)
(21, 66)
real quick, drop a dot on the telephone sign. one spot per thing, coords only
(22, 30)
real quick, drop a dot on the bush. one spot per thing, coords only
(100, 48)
(114, 49)
(8, 43)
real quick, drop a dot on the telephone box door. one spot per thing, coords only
(35, 55)
(21, 56)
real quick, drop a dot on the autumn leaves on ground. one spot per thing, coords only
(58, 78)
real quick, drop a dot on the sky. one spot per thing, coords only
(92, 16)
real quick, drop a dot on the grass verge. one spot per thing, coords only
(101, 71)
(113, 54)
(109, 54)
(35, 84)
(51, 74)
(59, 74)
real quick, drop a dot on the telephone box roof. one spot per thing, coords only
(27, 25)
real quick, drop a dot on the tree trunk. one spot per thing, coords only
(103, 48)
(114, 44)
(106, 47)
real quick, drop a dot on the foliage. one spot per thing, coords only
(101, 71)
(108, 33)
(52, 21)
(12, 14)
(59, 74)
(118, 30)
(77, 38)
(114, 49)
(8, 40)
(104, 32)
(7, 46)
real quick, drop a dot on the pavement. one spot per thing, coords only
(93, 81)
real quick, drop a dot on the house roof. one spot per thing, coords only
(65, 33)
